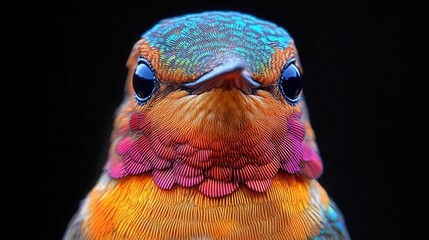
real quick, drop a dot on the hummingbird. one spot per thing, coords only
(212, 140)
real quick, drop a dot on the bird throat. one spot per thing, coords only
(214, 141)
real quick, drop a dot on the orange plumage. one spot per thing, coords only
(135, 208)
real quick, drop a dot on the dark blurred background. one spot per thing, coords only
(363, 64)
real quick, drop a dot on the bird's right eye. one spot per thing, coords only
(144, 81)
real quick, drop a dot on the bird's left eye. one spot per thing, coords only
(144, 81)
(290, 83)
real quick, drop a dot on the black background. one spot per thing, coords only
(363, 64)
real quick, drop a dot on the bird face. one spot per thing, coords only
(213, 101)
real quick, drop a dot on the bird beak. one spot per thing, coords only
(226, 76)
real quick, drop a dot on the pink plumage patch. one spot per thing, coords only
(216, 170)
(214, 188)
(290, 145)
(313, 166)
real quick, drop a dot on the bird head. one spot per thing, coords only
(214, 100)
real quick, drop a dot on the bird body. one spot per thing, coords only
(212, 140)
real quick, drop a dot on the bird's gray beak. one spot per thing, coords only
(226, 76)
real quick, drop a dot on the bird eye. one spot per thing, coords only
(290, 83)
(144, 81)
